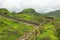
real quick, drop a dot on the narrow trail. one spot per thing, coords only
(20, 20)
(40, 27)
(26, 36)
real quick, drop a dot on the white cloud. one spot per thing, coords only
(38, 5)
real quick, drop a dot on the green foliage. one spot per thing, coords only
(31, 15)
(28, 17)
(28, 10)
(4, 11)
(49, 33)
(54, 13)
(10, 29)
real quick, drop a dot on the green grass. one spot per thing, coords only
(10, 30)
(29, 17)
(49, 33)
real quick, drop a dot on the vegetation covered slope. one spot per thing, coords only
(50, 32)
(54, 13)
(27, 14)
(11, 29)
(30, 15)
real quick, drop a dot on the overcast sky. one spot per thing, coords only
(38, 5)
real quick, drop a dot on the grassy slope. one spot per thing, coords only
(29, 17)
(26, 14)
(49, 33)
(10, 30)
(54, 13)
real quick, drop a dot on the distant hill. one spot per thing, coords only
(54, 13)
(3, 10)
(30, 11)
